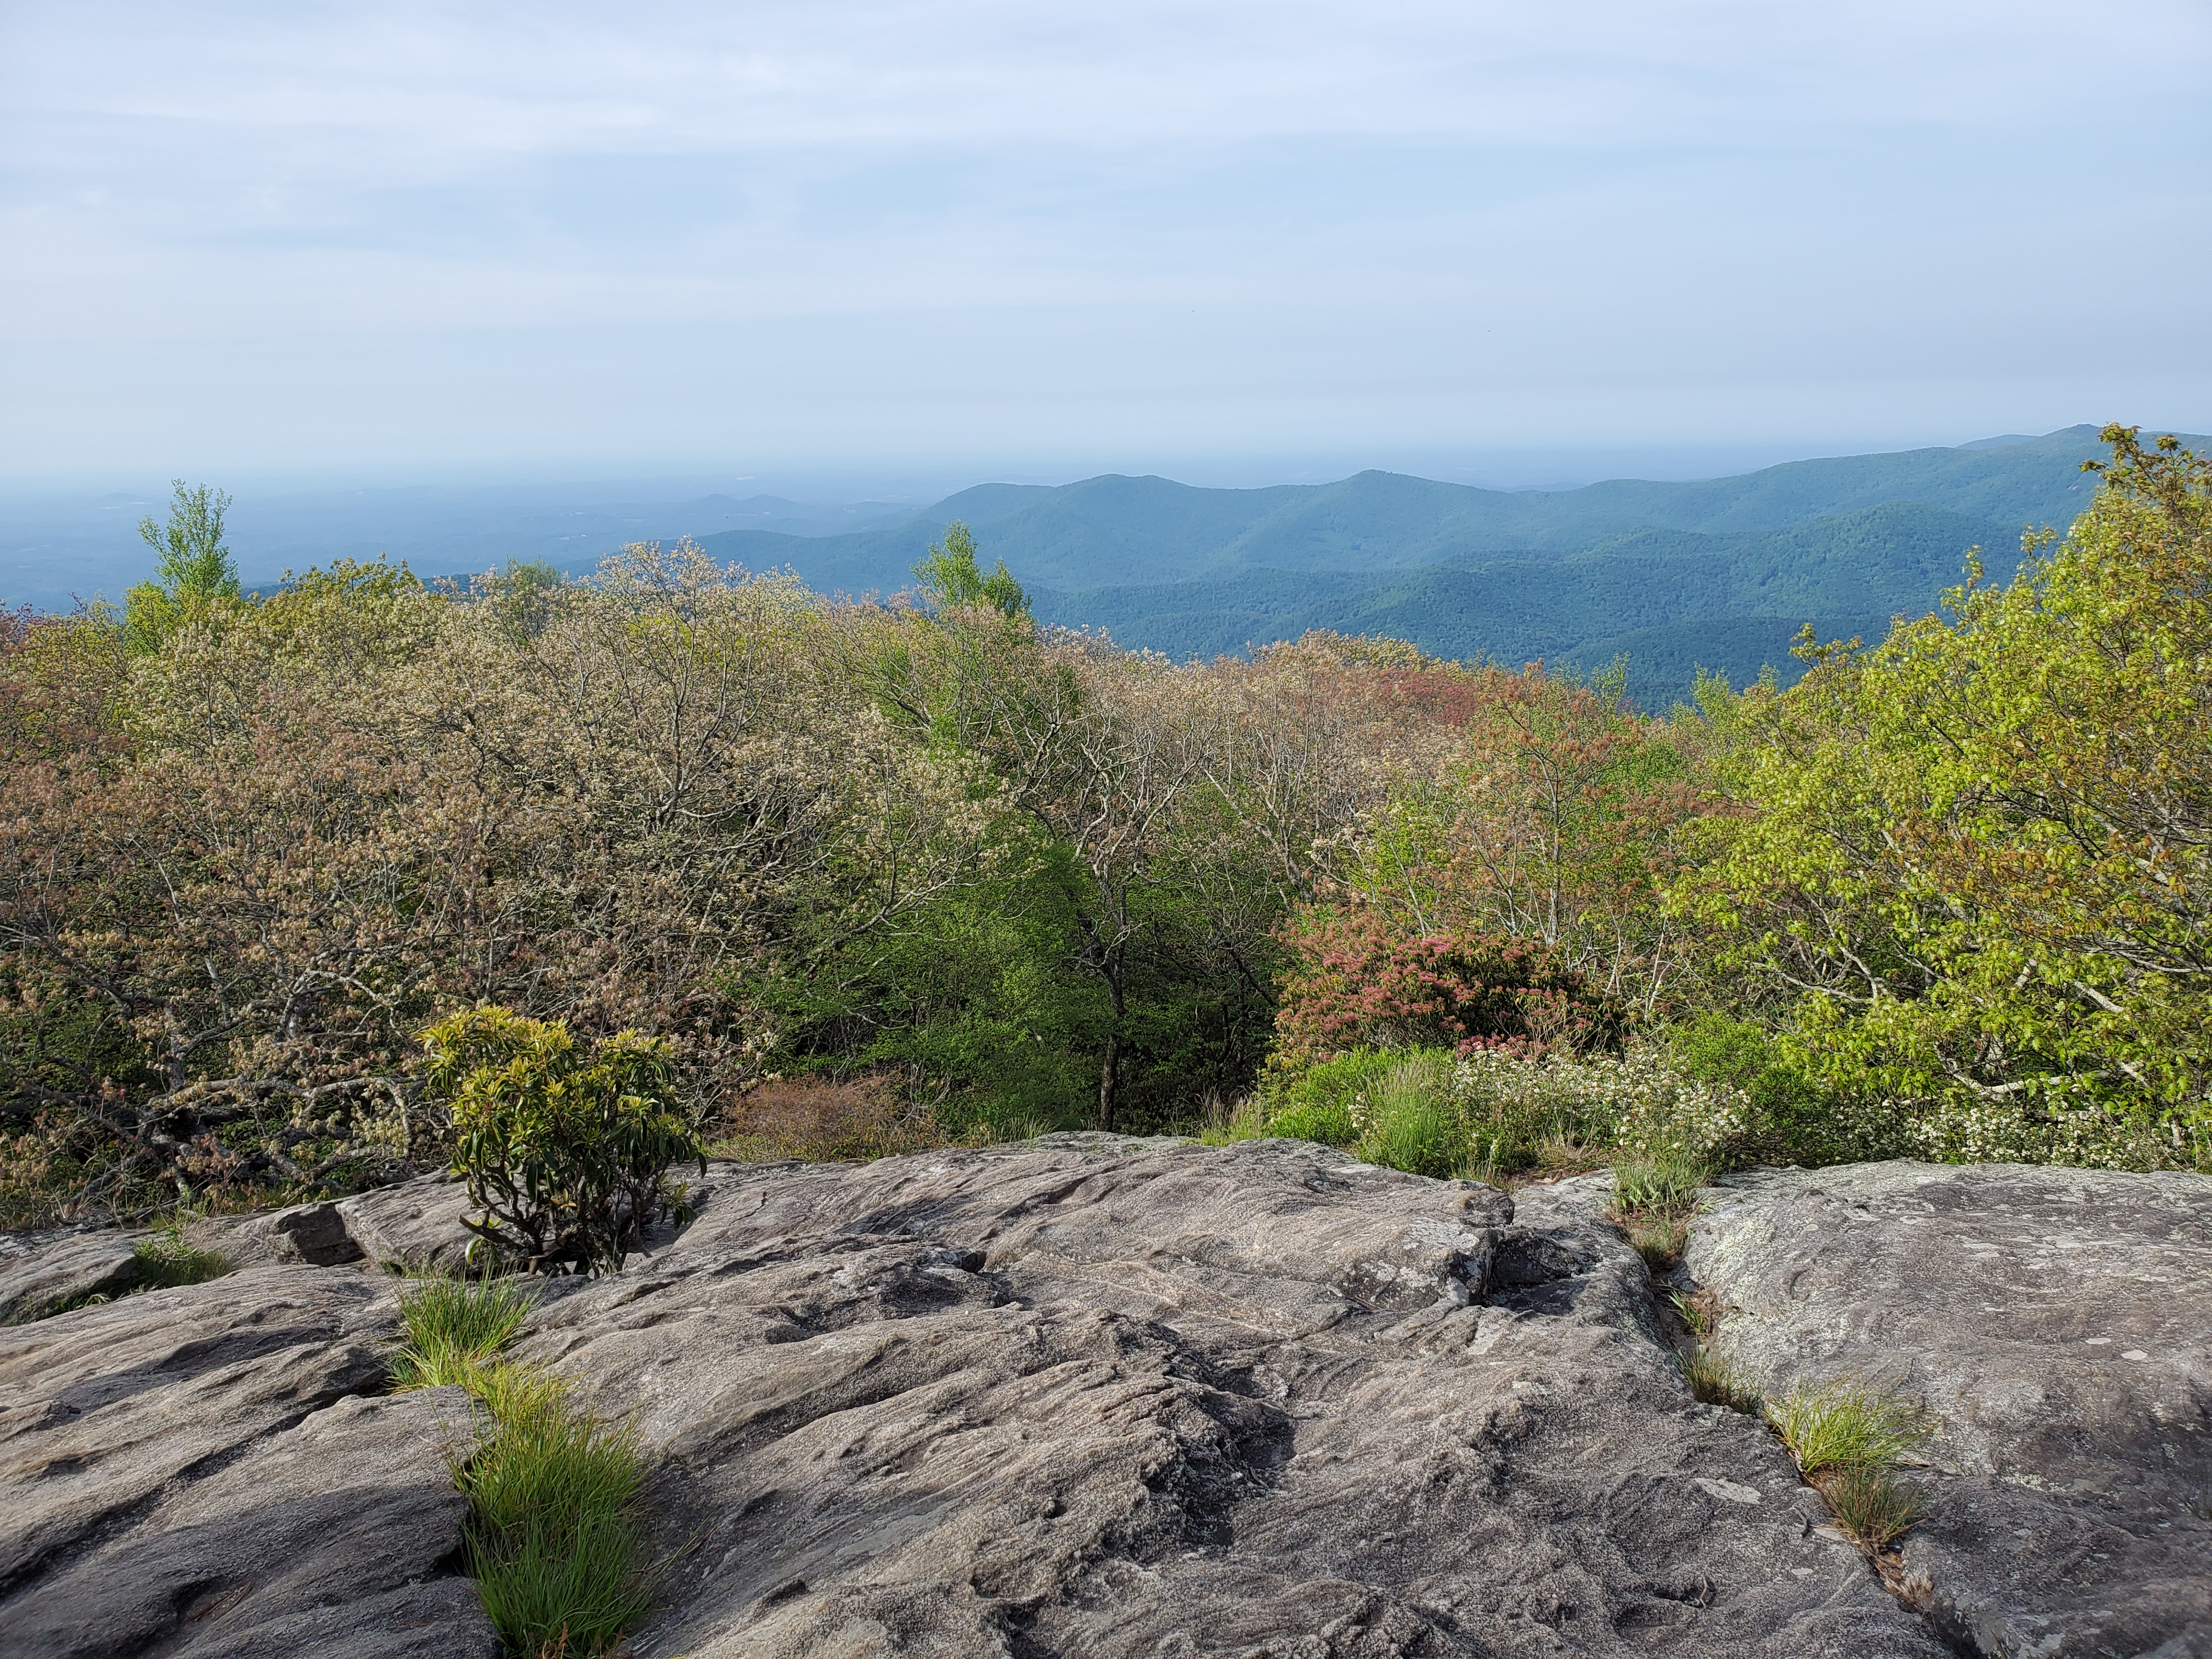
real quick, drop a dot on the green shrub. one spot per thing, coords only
(1328, 1122)
(566, 1155)
(455, 1327)
(1408, 1120)
(1793, 1119)
(1512, 1108)
(1315, 1102)
(554, 1540)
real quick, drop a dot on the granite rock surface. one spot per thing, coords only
(1103, 1396)
(2056, 1327)
(1260, 1400)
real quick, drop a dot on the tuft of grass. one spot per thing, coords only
(161, 1262)
(1662, 1185)
(1659, 1239)
(1413, 1126)
(1697, 1311)
(1225, 1124)
(166, 1261)
(1652, 1199)
(1847, 1424)
(554, 1540)
(1716, 1382)
(1490, 1162)
(1561, 1150)
(1872, 1506)
(1849, 1436)
(455, 1327)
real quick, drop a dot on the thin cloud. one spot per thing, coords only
(1303, 219)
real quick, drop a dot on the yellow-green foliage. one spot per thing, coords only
(455, 1327)
(1950, 896)
(1848, 1437)
(567, 1154)
(1980, 853)
(555, 1545)
(554, 1541)
(1847, 1424)
(193, 576)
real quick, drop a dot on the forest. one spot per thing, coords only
(879, 875)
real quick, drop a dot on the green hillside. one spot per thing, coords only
(1663, 662)
(1719, 573)
(1115, 531)
(1670, 599)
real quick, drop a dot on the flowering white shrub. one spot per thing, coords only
(1967, 1131)
(1637, 1101)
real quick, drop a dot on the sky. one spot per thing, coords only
(1227, 241)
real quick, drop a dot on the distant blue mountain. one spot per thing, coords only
(1719, 573)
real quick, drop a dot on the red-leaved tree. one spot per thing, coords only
(1356, 983)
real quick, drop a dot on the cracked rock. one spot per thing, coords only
(2056, 1325)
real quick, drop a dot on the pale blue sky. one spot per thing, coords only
(398, 240)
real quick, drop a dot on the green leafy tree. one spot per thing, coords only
(1980, 855)
(193, 571)
(951, 576)
(566, 1152)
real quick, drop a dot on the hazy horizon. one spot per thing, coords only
(63, 542)
(906, 241)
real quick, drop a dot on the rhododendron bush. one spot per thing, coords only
(1355, 982)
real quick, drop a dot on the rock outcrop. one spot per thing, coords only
(65, 1268)
(413, 1227)
(1086, 1397)
(198, 1471)
(2056, 1326)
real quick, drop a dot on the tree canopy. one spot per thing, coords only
(1947, 895)
(193, 570)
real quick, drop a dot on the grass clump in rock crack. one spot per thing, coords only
(1652, 1198)
(161, 1261)
(555, 1543)
(554, 1540)
(455, 1327)
(1716, 1382)
(1849, 1439)
(166, 1261)
(1713, 1378)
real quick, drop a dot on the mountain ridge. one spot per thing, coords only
(1717, 573)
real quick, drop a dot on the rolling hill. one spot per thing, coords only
(1720, 573)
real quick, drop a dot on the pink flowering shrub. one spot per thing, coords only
(1355, 984)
